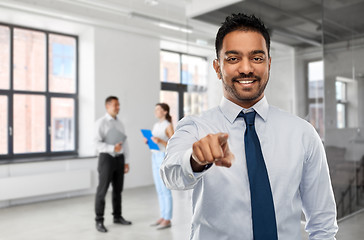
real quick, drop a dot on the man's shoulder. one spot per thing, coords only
(288, 119)
(205, 115)
(212, 112)
(205, 118)
(101, 121)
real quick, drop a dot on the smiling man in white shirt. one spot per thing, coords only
(208, 153)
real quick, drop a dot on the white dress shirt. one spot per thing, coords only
(102, 127)
(296, 165)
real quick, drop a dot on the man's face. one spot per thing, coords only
(113, 107)
(243, 66)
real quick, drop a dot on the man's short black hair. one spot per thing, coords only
(110, 98)
(241, 22)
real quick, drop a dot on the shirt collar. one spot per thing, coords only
(109, 117)
(232, 110)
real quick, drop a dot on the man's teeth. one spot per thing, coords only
(245, 82)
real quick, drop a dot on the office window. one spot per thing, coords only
(194, 70)
(29, 67)
(38, 93)
(183, 83)
(62, 63)
(29, 123)
(63, 123)
(4, 57)
(170, 67)
(316, 96)
(3, 125)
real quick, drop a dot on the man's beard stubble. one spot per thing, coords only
(234, 93)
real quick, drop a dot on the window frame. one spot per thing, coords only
(180, 87)
(48, 154)
(344, 103)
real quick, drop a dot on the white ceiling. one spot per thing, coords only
(294, 22)
(167, 20)
(301, 23)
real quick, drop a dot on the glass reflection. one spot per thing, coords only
(344, 102)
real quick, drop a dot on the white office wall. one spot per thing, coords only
(22, 174)
(127, 66)
(86, 91)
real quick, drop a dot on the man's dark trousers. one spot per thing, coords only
(111, 170)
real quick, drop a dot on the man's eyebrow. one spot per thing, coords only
(234, 52)
(257, 52)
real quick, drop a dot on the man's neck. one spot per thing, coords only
(244, 104)
(113, 116)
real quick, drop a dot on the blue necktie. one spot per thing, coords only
(263, 215)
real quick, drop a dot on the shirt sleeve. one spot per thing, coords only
(316, 192)
(101, 146)
(176, 170)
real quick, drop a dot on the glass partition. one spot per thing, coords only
(343, 38)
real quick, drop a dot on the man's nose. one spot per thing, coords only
(245, 66)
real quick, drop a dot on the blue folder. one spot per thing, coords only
(148, 135)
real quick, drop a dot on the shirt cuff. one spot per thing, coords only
(110, 148)
(187, 169)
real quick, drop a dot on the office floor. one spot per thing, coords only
(72, 219)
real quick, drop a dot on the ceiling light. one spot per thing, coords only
(163, 23)
(174, 27)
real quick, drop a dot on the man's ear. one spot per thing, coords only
(217, 68)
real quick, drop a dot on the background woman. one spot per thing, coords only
(162, 131)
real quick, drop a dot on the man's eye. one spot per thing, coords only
(232, 59)
(258, 59)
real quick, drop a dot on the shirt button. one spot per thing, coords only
(190, 175)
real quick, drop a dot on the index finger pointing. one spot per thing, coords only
(223, 137)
